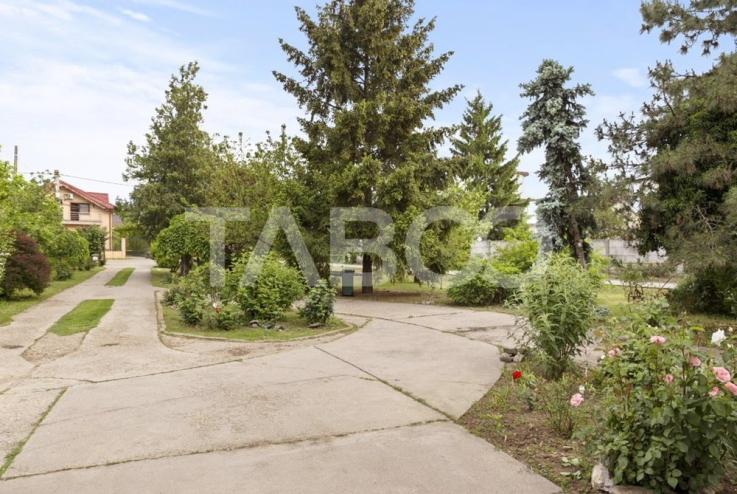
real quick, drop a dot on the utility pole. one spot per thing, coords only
(15, 160)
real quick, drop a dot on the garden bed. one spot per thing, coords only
(503, 418)
(294, 328)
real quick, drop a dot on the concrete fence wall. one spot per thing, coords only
(615, 248)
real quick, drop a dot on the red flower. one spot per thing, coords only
(517, 375)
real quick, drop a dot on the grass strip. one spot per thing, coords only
(83, 317)
(27, 299)
(121, 277)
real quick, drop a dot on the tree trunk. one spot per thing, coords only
(185, 265)
(367, 276)
(578, 249)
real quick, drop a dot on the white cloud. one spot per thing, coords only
(138, 16)
(73, 96)
(631, 76)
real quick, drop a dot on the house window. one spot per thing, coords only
(79, 209)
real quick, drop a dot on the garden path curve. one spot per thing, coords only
(370, 412)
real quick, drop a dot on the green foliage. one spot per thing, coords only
(480, 155)
(680, 159)
(182, 244)
(558, 298)
(480, 284)
(554, 120)
(224, 316)
(707, 20)
(365, 83)
(29, 206)
(171, 169)
(27, 267)
(95, 237)
(553, 398)
(275, 289)
(319, 303)
(68, 252)
(519, 253)
(710, 291)
(670, 424)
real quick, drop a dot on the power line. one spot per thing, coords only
(88, 179)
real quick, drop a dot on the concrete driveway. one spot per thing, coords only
(373, 411)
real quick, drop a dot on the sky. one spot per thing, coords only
(80, 79)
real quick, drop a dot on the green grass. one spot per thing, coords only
(121, 277)
(83, 317)
(160, 277)
(294, 327)
(27, 299)
(615, 299)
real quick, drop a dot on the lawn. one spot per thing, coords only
(83, 317)
(615, 299)
(294, 328)
(160, 277)
(25, 300)
(121, 277)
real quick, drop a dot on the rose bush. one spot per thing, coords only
(671, 411)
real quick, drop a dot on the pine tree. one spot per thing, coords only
(554, 120)
(364, 87)
(480, 154)
(172, 166)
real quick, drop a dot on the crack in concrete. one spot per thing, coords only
(387, 383)
(255, 445)
(18, 448)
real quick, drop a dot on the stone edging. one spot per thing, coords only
(161, 326)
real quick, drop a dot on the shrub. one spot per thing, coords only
(519, 253)
(712, 290)
(69, 251)
(182, 244)
(223, 316)
(319, 303)
(27, 267)
(558, 299)
(275, 289)
(671, 423)
(191, 309)
(95, 237)
(480, 284)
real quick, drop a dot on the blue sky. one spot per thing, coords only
(79, 79)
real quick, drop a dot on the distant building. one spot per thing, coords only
(82, 208)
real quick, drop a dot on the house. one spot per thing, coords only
(82, 208)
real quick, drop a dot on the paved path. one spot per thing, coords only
(370, 412)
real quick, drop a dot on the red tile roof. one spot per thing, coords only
(100, 199)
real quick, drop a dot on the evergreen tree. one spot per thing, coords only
(365, 88)
(480, 154)
(172, 166)
(554, 120)
(710, 18)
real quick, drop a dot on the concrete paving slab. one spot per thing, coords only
(462, 320)
(433, 458)
(447, 371)
(20, 411)
(287, 397)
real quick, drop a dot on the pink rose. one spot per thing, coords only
(722, 374)
(731, 387)
(668, 378)
(658, 340)
(695, 361)
(614, 352)
(715, 392)
(576, 400)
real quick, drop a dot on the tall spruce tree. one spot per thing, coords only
(554, 120)
(171, 167)
(365, 89)
(480, 156)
